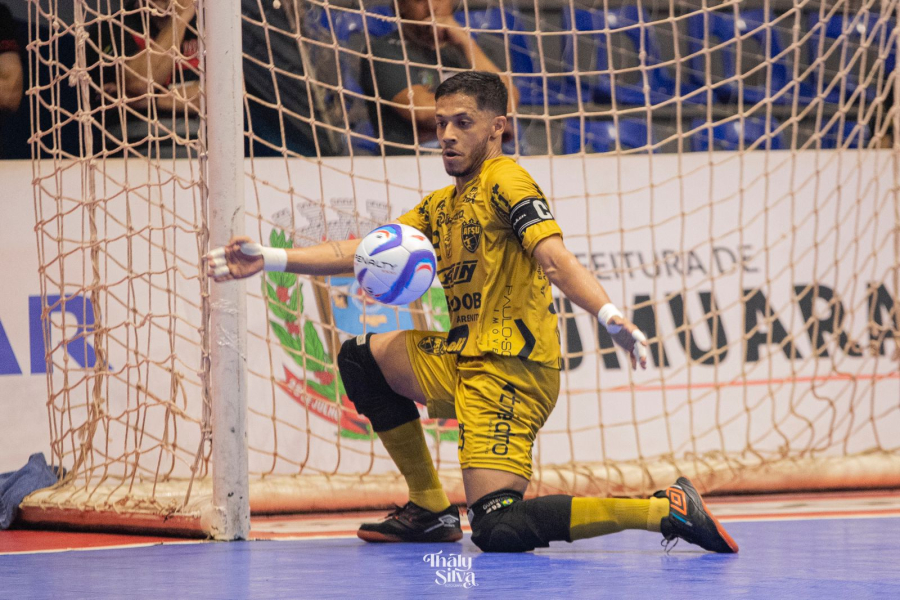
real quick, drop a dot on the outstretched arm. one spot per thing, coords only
(243, 258)
(581, 287)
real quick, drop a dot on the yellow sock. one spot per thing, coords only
(599, 516)
(407, 447)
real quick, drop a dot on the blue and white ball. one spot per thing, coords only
(395, 264)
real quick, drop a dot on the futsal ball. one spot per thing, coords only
(395, 264)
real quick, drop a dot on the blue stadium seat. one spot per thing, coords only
(601, 136)
(722, 30)
(521, 55)
(728, 136)
(855, 29)
(855, 135)
(661, 81)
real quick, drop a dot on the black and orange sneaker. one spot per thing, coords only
(690, 520)
(412, 523)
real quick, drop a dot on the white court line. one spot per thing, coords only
(112, 547)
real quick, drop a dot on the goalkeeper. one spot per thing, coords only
(497, 370)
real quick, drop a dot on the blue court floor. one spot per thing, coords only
(808, 557)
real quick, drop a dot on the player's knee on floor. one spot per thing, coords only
(503, 522)
(369, 390)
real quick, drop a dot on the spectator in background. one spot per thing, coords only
(268, 39)
(432, 37)
(11, 79)
(165, 91)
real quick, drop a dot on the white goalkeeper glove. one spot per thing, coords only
(236, 260)
(607, 312)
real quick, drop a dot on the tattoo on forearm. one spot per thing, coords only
(338, 252)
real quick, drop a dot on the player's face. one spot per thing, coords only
(468, 136)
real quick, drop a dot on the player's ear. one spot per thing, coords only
(499, 125)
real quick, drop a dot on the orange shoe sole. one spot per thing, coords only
(725, 536)
(383, 538)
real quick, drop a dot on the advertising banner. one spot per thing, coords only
(766, 281)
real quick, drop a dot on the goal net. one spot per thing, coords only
(728, 170)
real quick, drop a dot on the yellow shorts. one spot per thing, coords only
(500, 402)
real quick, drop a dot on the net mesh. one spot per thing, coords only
(728, 170)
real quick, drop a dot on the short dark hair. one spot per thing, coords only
(487, 89)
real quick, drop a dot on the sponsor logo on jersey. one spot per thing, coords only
(435, 345)
(424, 208)
(457, 338)
(499, 201)
(465, 302)
(471, 235)
(446, 223)
(460, 272)
(441, 215)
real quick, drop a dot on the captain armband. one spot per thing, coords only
(528, 212)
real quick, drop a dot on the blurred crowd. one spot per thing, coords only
(326, 81)
(145, 73)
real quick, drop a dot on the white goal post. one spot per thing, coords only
(227, 331)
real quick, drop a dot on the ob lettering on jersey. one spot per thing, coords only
(465, 302)
(451, 570)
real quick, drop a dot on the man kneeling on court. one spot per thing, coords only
(494, 233)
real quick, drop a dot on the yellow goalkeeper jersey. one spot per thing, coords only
(499, 297)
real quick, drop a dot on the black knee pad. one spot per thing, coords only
(503, 522)
(368, 390)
